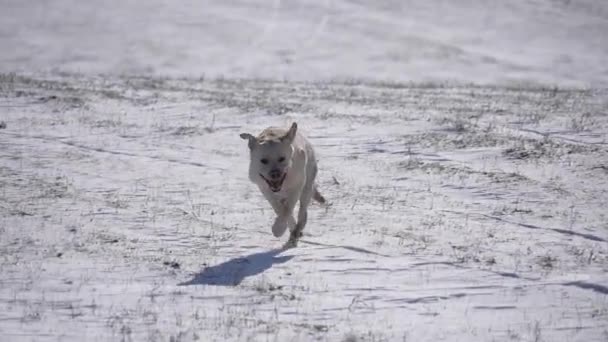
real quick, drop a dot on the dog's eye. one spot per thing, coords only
(264, 161)
(281, 159)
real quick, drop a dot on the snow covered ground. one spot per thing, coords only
(534, 41)
(463, 150)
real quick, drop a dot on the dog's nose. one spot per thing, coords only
(274, 174)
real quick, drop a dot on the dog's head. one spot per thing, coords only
(271, 155)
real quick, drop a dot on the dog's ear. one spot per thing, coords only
(250, 138)
(291, 134)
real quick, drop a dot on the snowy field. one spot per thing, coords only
(463, 151)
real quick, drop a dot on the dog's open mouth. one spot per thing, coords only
(275, 185)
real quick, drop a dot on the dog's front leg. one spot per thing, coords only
(305, 199)
(296, 233)
(285, 215)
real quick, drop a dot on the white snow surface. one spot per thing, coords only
(462, 146)
(540, 41)
(456, 213)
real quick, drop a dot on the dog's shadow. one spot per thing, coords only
(233, 271)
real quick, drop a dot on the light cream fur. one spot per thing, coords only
(288, 153)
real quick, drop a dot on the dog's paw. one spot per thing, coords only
(279, 227)
(291, 243)
(293, 240)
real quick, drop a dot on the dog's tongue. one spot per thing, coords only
(276, 185)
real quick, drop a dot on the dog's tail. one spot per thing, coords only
(317, 196)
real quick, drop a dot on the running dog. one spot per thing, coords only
(284, 167)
